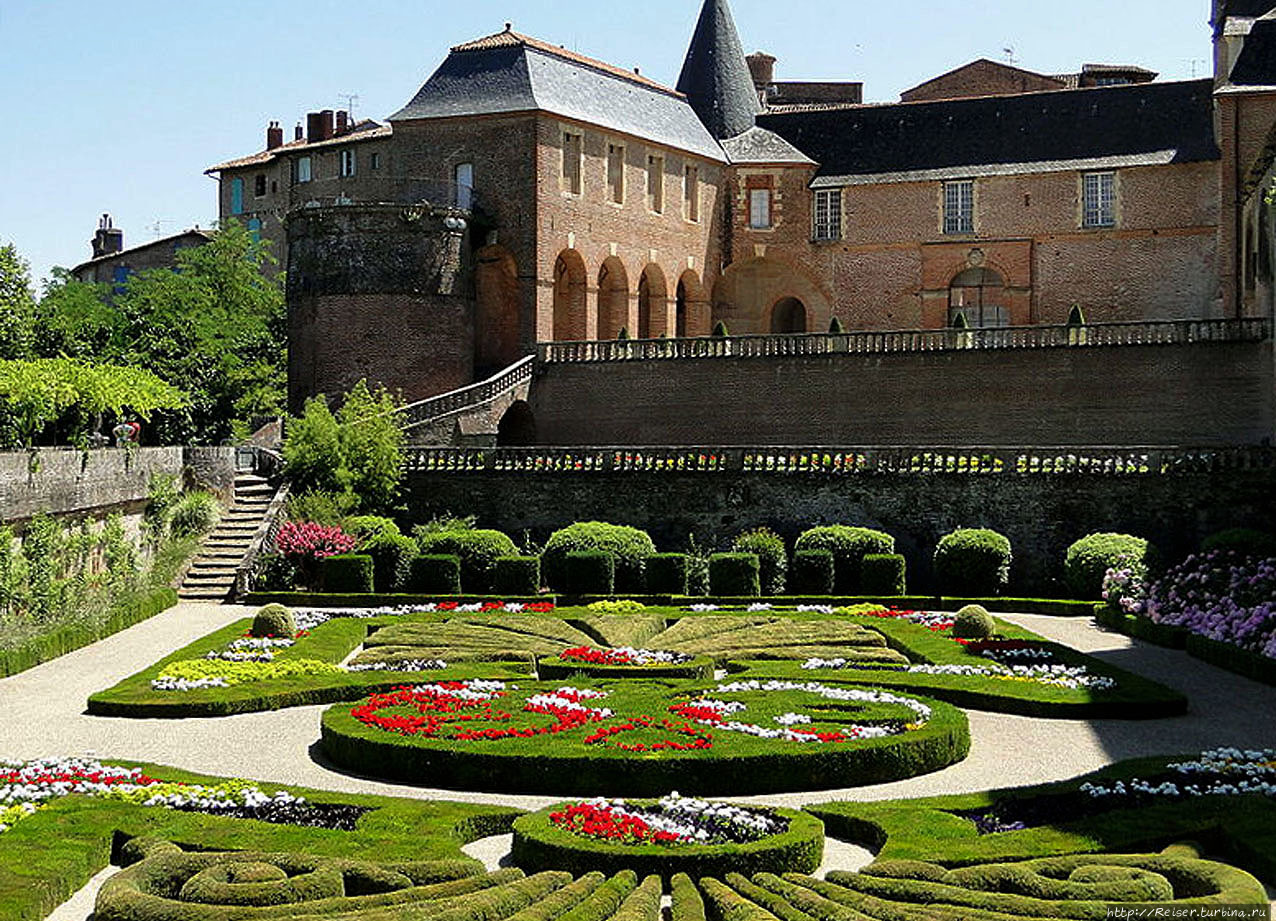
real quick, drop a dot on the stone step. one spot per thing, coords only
(209, 577)
(184, 595)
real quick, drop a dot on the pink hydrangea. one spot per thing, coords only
(306, 541)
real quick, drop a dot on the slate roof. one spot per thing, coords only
(365, 130)
(1165, 122)
(715, 75)
(1257, 64)
(508, 72)
(1250, 9)
(758, 145)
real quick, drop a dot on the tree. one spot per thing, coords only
(74, 320)
(17, 304)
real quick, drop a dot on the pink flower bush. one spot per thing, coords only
(305, 540)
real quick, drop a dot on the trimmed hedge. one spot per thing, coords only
(589, 572)
(667, 574)
(554, 668)
(516, 575)
(812, 572)
(630, 546)
(734, 574)
(478, 549)
(1089, 559)
(372, 599)
(773, 560)
(273, 620)
(1143, 628)
(973, 622)
(540, 844)
(972, 561)
(849, 546)
(436, 574)
(347, 572)
(1243, 541)
(392, 556)
(1232, 658)
(883, 574)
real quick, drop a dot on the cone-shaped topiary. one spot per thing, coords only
(720, 329)
(973, 622)
(835, 326)
(273, 620)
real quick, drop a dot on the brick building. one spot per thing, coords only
(113, 264)
(555, 197)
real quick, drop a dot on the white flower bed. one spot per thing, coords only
(1064, 676)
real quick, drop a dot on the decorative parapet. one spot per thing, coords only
(475, 395)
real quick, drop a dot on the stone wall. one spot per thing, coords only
(1041, 514)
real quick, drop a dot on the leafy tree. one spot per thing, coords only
(74, 320)
(17, 304)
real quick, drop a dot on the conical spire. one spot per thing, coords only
(715, 77)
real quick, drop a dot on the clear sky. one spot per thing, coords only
(120, 106)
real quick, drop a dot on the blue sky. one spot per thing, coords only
(120, 106)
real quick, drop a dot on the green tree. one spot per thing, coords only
(17, 304)
(75, 320)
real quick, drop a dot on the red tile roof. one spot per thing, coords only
(364, 131)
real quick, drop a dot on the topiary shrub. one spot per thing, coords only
(973, 622)
(435, 574)
(1089, 559)
(1248, 542)
(972, 562)
(273, 620)
(630, 548)
(849, 545)
(667, 574)
(194, 513)
(732, 574)
(773, 560)
(516, 575)
(812, 573)
(882, 574)
(478, 549)
(346, 574)
(367, 527)
(392, 555)
(589, 572)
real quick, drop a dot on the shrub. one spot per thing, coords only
(392, 555)
(590, 572)
(326, 508)
(732, 574)
(667, 574)
(275, 573)
(305, 543)
(273, 620)
(720, 330)
(697, 567)
(435, 574)
(516, 575)
(161, 496)
(812, 573)
(194, 513)
(478, 549)
(849, 545)
(629, 546)
(973, 622)
(773, 560)
(1089, 559)
(1246, 542)
(367, 527)
(883, 574)
(972, 562)
(347, 573)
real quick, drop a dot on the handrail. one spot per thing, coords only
(263, 541)
(427, 410)
(1142, 332)
(843, 461)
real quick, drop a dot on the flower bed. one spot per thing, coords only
(675, 834)
(1220, 596)
(641, 736)
(624, 662)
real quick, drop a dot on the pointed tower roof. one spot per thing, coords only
(715, 76)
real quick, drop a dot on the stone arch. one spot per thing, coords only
(570, 307)
(788, 315)
(497, 312)
(691, 307)
(745, 296)
(653, 303)
(613, 298)
(517, 428)
(978, 294)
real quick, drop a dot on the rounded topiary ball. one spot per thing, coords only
(973, 622)
(273, 620)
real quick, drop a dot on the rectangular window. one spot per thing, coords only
(760, 209)
(237, 195)
(656, 184)
(374, 160)
(347, 162)
(1098, 208)
(573, 147)
(259, 185)
(464, 174)
(828, 214)
(303, 169)
(616, 172)
(959, 206)
(691, 193)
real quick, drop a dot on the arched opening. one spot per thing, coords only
(1076, 326)
(653, 297)
(497, 333)
(613, 299)
(569, 297)
(978, 296)
(788, 316)
(691, 308)
(517, 428)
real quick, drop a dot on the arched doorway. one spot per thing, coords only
(517, 428)
(653, 320)
(979, 296)
(613, 299)
(497, 333)
(691, 315)
(569, 296)
(788, 316)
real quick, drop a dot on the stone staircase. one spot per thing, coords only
(212, 574)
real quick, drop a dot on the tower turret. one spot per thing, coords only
(715, 76)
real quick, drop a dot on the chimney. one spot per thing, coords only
(274, 136)
(343, 122)
(107, 240)
(299, 133)
(762, 68)
(319, 126)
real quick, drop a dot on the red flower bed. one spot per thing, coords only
(601, 822)
(699, 738)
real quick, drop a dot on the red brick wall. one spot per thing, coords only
(981, 78)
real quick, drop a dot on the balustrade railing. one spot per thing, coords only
(1145, 332)
(844, 461)
(423, 411)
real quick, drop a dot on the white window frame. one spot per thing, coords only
(959, 206)
(826, 213)
(305, 170)
(1098, 199)
(349, 162)
(760, 207)
(691, 193)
